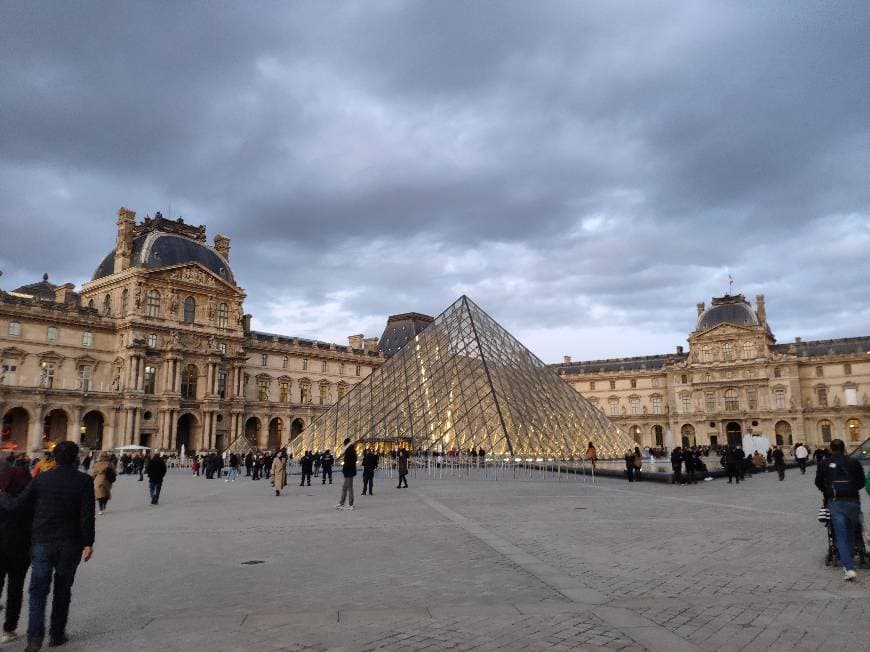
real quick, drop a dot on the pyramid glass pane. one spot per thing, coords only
(465, 382)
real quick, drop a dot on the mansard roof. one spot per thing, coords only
(816, 348)
(613, 365)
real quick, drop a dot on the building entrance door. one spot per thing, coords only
(734, 432)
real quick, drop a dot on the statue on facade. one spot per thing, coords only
(138, 297)
(116, 383)
(211, 309)
(175, 338)
(173, 302)
(43, 377)
(212, 343)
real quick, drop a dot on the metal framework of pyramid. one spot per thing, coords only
(465, 382)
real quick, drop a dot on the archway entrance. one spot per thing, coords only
(92, 430)
(252, 431)
(687, 435)
(783, 433)
(14, 429)
(634, 431)
(734, 433)
(187, 433)
(54, 428)
(296, 428)
(276, 434)
(658, 434)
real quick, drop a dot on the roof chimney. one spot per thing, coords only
(797, 340)
(679, 350)
(700, 307)
(370, 344)
(222, 245)
(64, 294)
(124, 241)
(566, 359)
(759, 308)
(355, 341)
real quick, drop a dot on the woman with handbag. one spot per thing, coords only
(104, 475)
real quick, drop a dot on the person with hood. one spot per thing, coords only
(279, 471)
(104, 475)
(156, 470)
(14, 547)
(348, 470)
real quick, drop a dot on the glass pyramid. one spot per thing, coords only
(465, 382)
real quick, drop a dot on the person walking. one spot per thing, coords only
(232, 467)
(691, 466)
(731, 464)
(306, 462)
(802, 455)
(62, 535)
(402, 467)
(677, 466)
(249, 464)
(104, 475)
(779, 462)
(156, 470)
(629, 465)
(637, 461)
(348, 470)
(279, 472)
(326, 461)
(369, 463)
(14, 547)
(840, 479)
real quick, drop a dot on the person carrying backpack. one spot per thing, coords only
(840, 479)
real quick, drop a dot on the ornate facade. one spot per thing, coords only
(734, 380)
(157, 350)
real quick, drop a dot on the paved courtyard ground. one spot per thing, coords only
(466, 565)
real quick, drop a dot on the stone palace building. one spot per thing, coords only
(157, 350)
(734, 380)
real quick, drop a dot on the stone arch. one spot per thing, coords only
(187, 432)
(734, 433)
(55, 427)
(13, 431)
(253, 428)
(93, 423)
(687, 435)
(296, 428)
(635, 433)
(782, 430)
(276, 434)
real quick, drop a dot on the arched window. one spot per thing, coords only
(853, 427)
(107, 305)
(732, 402)
(635, 434)
(152, 305)
(91, 304)
(727, 352)
(748, 350)
(707, 353)
(825, 430)
(783, 433)
(125, 302)
(189, 310)
(222, 315)
(188, 382)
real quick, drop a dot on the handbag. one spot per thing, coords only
(111, 476)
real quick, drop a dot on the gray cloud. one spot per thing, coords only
(586, 172)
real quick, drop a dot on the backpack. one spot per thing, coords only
(111, 476)
(838, 479)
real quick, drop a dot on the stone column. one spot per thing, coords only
(177, 387)
(137, 422)
(203, 435)
(76, 435)
(140, 374)
(34, 437)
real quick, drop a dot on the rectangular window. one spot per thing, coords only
(823, 396)
(87, 338)
(592, 385)
(14, 328)
(656, 404)
(152, 341)
(686, 401)
(324, 394)
(47, 378)
(262, 390)
(85, 372)
(222, 383)
(851, 395)
(614, 407)
(52, 334)
(265, 360)
(635, 406)
(284, 392)
(150, 378)
(304, 364)
(732, 401)
(710, 401)
(777, 372)
(752, 398)
(358, 370)
(222, 347)
(612, 384)
(324, 367)
(779, 398)
(633, 383)
(284, 362)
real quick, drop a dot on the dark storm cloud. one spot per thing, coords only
(586, 172)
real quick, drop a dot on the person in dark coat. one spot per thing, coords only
(156, 470)
(348, 470)
(677, 466)
(369, 463)
(306, 464)
(249, 464)
(689, 459)
(326, 461)
(14, 546)
(402, 467)
(732, 462)
(62, 533)
(779, 462)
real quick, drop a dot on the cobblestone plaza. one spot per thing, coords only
(466, 564)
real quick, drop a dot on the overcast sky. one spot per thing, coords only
(586, 172)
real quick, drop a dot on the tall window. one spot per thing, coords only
(222, 384)
(635, 405)
(188, 382)
(324, 394)
(342, 390)
(305, 393)
(708, 378)
(222, 315)
(752, 398)
(304, 364)
(52, 334)
(853, 427)
(189, 310)
(777, 372)
(710, 401)
(150, 379)
(324, 367)
(87, 338)
(284, 362)
(727, 352)
(748, 350)
(152, 340)
(847, 369)
(656, 404)
(614, 407)
(779, 398)
(125, 302)
(47, 375)
(612, 384)
(263, 390)
(264, 360)
(14, 328)
(686, 402)
(107, 305)
(707, 353)
(822, 393)
(684, 379)
(819, 371)
(732, 402)
(825, 427)
(592, 385)
(85, 372)
(284, 392)
(358, 370)
(152, 304)
(851, 395)
(222, 348)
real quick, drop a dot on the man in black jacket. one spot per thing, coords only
(840, 479)
(369, 463)
(677, 466)
(348, 470)
(62, 501)
(156, 470)
(306, 462)
(326, 461)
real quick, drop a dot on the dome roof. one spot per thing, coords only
(736, 311)
(157, 249)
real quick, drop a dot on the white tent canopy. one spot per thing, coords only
(132, 447)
